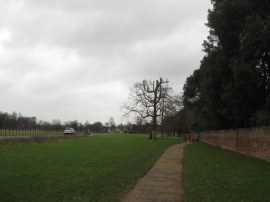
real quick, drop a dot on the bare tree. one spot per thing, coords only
(171, 103)
(145, 100)
(111, 125)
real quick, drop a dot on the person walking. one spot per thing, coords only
(186, 138)
(189, 138)
(197, 137)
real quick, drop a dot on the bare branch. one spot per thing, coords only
(150, 99)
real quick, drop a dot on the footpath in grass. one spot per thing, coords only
(213, 174)
(163, 181)
(99, 168)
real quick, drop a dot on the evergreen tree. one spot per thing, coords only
(233, 82)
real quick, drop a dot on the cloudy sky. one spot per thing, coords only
(77, 59)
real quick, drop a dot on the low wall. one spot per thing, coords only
(250, 141)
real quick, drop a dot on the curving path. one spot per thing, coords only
(163, 182)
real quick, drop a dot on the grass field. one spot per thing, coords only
(98, 168)
(213, 174)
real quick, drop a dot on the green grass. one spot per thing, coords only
(212, 174)
(98, 168)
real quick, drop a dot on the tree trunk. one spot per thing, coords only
(156, 88)
(154, 126)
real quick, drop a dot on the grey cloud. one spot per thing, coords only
(93, 51)
(104, 23)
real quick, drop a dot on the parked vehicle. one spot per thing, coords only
(69, 131)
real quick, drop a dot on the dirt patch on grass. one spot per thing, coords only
(163, 182)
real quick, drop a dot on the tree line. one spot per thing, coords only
(231, 88)
(17, 121)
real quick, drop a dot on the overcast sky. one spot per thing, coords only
(77, 59)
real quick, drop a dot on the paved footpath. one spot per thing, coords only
(163, 182)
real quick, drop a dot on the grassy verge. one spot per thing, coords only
(213, 174)
(98, 168)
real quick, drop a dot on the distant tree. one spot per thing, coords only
(3, 119)
(111, 124)
(121, 127)
(74, 124)
(45, 125)
(97, 127)
(170, 105)
(56, 124)
(145, 100)
(87, 125)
